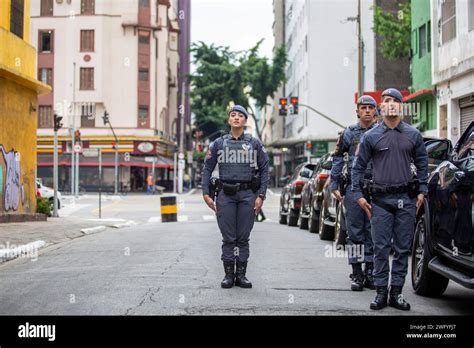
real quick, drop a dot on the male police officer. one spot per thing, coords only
(358, 224)
(239, 156)
(391, 145)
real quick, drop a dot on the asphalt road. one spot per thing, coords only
(155, 268)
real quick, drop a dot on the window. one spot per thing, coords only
(16, 17)
(46, 8)
(45, 116)
(88, 115)
(87, 78)
(144, 3)
(142, 116)
(87, 40)
(143, 75)
(144, 37)
(448, 20)
(428, 36)
(422, 35)
(87, 6)
(45, 75)
(46, 41)
(470, 15)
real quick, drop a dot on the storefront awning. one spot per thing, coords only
(108, 160)
(417, 94)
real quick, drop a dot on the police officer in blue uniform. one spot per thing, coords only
(243, 174)
(358, 224)
(395, 196)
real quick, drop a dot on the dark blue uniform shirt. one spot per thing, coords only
(392, 151)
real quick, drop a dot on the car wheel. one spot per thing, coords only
(293, 217)
(340, 233)
(425, 282)
(325, 232)
(313, 220)
(283, 218)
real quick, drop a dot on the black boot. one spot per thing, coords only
(396, 299)
(380, 300)
(228, 280)
(240, 279)
(369, 278)
(357, 277)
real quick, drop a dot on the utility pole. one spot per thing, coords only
(181, 142)
(73, 130)
(107, 121)
(360, 85)
(57, 126)
(360, 49)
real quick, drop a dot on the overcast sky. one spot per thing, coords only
(238, 24)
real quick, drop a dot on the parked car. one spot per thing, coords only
(290, 199)
(47, 192)
(443, 245)
(312, 197)
(332, 217)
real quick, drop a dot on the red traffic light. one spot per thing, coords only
(294, 100)
(283, 101)
(309, 145)
(77, 134)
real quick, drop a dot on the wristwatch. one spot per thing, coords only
(262, 196)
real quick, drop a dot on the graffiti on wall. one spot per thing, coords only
(13, 188)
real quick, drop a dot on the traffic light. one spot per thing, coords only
(105, 118)
(114, 145)
(77, 137)
(57, 122)
(282, 109)
(309, 145)
(294, 103)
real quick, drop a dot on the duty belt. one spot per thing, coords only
(240, 185)
(389, 189)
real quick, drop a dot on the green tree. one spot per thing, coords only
(395, 31)
(222, 75)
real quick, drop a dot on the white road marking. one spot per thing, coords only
(208, 217)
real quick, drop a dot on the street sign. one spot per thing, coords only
(181, 156)
(181, 164)
(77, 148)
(151, 159)
(91, 152)
(190, 157)
(276, 160)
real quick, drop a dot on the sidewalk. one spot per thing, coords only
(53, 231)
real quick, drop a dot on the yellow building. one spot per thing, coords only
(19, 90)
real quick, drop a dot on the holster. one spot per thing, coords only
(214, 187)
(413, 188)
(256, 182)
(367, 189)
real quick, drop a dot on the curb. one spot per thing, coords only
(126, 224)
(24, 249)
(93, 229)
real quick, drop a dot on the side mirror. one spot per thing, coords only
(459, 176)
(327, 165)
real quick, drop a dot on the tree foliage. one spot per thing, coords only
(221, 77)
(395, 31)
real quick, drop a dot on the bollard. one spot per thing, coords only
(169, 210)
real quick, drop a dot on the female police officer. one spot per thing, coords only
(239, 156)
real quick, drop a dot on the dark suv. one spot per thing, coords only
(312, 196)
(290, 199)
(443, 244)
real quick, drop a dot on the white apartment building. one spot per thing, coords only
(453, 65)
(119, 56)
(322, 46)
